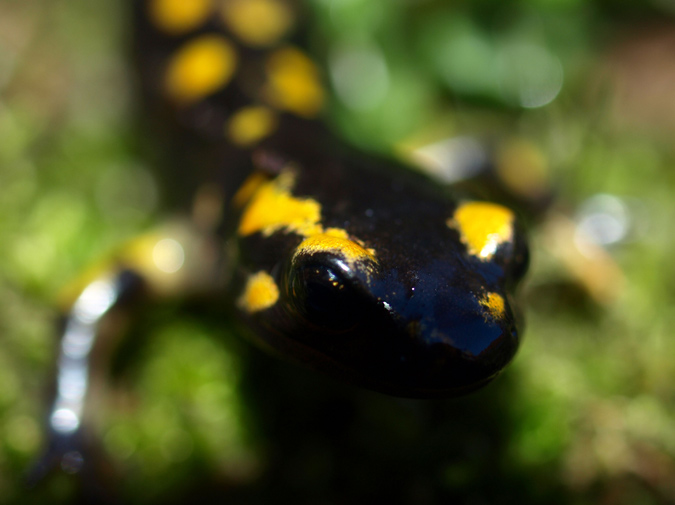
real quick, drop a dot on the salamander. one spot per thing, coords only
(354, 265)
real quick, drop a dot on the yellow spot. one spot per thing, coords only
(494, 303)
(483, 227)
(246, 191)
(294, 83)
(260, 293)
(523, 168)
(176, 17)
(259, 23)
(200, 68)
(251, 124)
(273, 208)
(332, 242)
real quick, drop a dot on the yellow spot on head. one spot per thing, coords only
(336, 232)
(260, 293)
(176, 17)
(494, 303)
(250, 125)
(259, 23)
(201, 67)
(272, 207)
(294, 83)
(483, 227)
(333, 242)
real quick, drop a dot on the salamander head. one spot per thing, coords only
(417, 307)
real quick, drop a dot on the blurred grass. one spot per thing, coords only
(586, 412)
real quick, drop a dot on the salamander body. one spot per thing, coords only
(356, 266)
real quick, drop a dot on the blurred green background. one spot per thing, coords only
(586, 412)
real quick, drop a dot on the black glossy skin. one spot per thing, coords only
(413, 327)
(409, 325)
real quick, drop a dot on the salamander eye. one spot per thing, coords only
(324, 297)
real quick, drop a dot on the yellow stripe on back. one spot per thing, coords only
(249, 188)
(251, 124)
(201, 67)
(273, 208)
(258, 23)
(482, 227)
(177, 17)
(293, 83)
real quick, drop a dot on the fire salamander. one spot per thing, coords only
(353, 265)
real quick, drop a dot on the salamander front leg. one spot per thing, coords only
(69, 446)
(170, 263)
